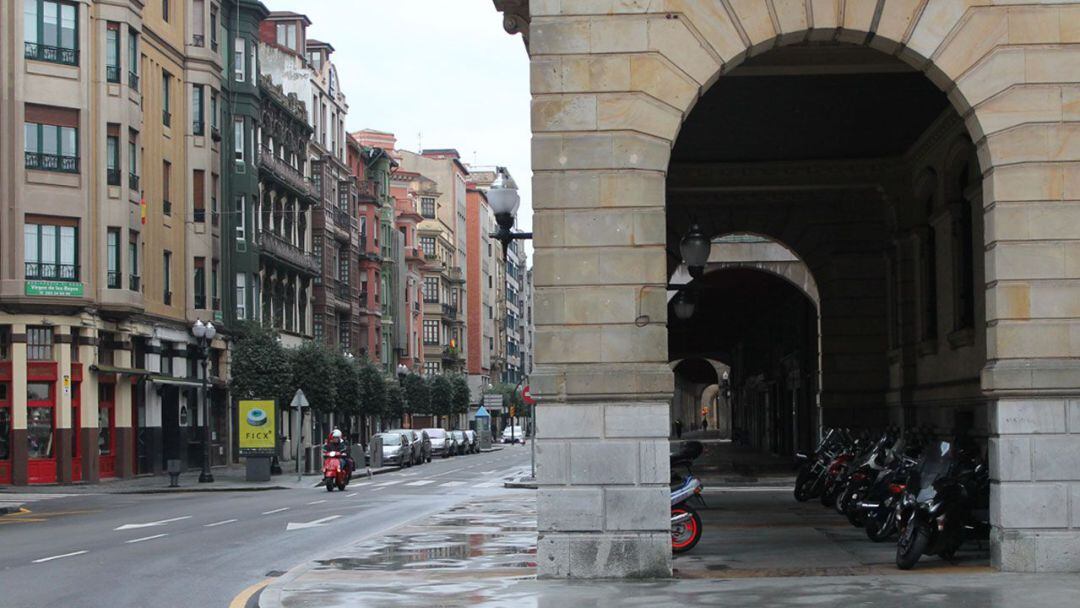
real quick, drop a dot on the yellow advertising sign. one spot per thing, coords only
(257, 427)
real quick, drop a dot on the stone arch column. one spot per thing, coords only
(612, 83)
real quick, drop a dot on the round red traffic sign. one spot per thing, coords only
(526, 396)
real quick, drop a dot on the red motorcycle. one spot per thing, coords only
(334, 471)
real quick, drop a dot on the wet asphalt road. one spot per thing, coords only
(202, 549)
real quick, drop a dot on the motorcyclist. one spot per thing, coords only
(335, 442)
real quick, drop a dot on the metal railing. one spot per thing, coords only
(344, 291)
(166, 118)
(112, 175)
(133, 182)
(200, 301)
(285, 251)
(114, 279)
(198, 127)
(198, 40)
(133, 80)
(133, 282)
(341, 218)
(199, 215)
(166, 206)
(52, 271)
(449, 311)
(52, 162)
(54, 54)
(112, 73)
(363, 299)
(287, 173)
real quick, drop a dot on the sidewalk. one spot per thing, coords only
(483, 553)
(226, 479)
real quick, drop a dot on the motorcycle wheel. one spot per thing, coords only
(329, 485)
(854, 516)
(685, 535)
(803, 484)
(912, 544)
(876, 531)
(828, 497)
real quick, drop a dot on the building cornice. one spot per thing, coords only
(516, 18)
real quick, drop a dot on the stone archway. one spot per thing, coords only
(613, 83)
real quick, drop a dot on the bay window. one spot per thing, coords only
(51, 138)
(51, 31)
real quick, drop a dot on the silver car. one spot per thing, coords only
(473, 442)
(441, 442)
(395, 450)
(416, 444)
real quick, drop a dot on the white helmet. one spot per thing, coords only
(336, 434)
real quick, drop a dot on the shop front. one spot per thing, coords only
(41, 421)
(5, 422)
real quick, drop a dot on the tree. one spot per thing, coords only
(313, 372)
(372, 391)
(461, 395)
(260, 367)
(442, 395)
(417, 397)
(395, 401)
(348, 389)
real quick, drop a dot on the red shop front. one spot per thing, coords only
(41, 421)
(6, 440)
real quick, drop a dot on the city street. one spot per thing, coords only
(202, 549)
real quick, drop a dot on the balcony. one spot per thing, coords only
(456, 276)
(451, 354)
(287, 174)
(133, 282)
(198, 127)
(213, 44)
(51, 271)
(216, 303)
(200, 216)
(52, 162)
(200, 301)
(112, 175)
(113, 279)
(112, 73)
(449, 311)
(133, 182)
(363, 299)
(215, 134)
(278, 248)
(53, 54)
(198, 40)
(133, 80)
(342, 219)
(344, 291)
(167, 298)
(166, 118)
(166, 206)
(367, 190)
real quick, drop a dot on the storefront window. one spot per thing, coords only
(5, 433)
(39, 432)
(104, 433)
(37, 391)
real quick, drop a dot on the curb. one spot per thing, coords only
(10, 509)
(517, 485)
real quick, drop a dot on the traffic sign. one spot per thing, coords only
(299, 401)
(493, 401)
(526, 395)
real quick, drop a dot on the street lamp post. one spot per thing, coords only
(204, 334)
(504, 200)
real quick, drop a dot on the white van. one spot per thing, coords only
(518, 436)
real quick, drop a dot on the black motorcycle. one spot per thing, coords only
(946, 503)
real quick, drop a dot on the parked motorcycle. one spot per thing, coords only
(686, 526)
(813, 468)
(335, 472)
(945, 503)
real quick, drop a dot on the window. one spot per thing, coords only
(39, 346)
(166, 269)
(198, 36)
(238, 140)
(427, 244)
(427, 207)
(431, 332)
(51, 139)
(133, 160)
(213, 28)
(214, 283)
(165, 10)
(241, 218)
(213, 109)
(214, 198)
(166, 187)
(198, 185)
(112, 51)
(51, 249)
(252, 58)
(133, 59)
(239, 52)
(241, 295)
(166, 105)
(344, 333)
(198, 123)
(133, 260)
(50, 29)
(286, 35)
(112, 249)
(112, 154)
(431, 368)
(200, 283)
(431, 289)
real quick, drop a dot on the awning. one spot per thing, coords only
(127, 371)
(159, 379)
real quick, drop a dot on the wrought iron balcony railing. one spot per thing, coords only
(52, 162)
(54, 54)
(133, 282)
(277, 247)
(51, 271)
(112, 73)
(199, 216)
(133, 80)
(112, 174)
(114, 279)
(166, 206)
(198, 40)
(198, 127)
(288, 174)
(200, 301)
(166, 118)
(133, 182)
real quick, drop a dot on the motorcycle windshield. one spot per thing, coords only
(936, 463)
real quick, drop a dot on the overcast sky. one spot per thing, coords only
(443, 72)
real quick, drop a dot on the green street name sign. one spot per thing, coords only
(54, 288)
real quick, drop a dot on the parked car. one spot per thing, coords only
(474, 443)
(419, 452)
(513, 434)
(395, 450)
(460, 443)
(441, 442)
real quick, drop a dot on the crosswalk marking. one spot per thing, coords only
(489, 484)
(451, 484)
(388, 483)
(422, 482)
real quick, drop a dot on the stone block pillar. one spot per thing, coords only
(125, 426)
(63, 414)
(88, 424)
(19, 447)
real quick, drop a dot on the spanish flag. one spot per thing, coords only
(142, 207)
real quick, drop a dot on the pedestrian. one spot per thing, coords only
(704, 423)
(678, 429)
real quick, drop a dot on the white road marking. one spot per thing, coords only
(151, 524)
(488, 472)
(49, 559)
(317, 502)
(489, 484)
(219, 523)
(377, 489)
(388, 483)
(275, 511)
(452, 484)
(139, 540)
(350, 495)
(422, 482)
(311, 524)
